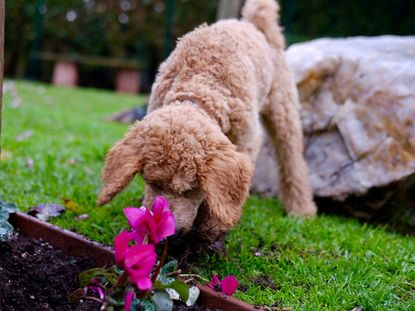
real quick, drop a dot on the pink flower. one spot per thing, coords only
(128, 299)
(121, 244)
(215, 283)
(228, 285)
(95, 289)
(139, 261)
(159, 222)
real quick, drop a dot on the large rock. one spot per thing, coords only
(358, 112)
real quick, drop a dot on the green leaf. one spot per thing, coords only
(169, 267)
(6, 209)
(158, 285)
(86, 276)
(172, 294)
(165, 280)
(76, 295)
(162, 301)
(115, 296)
(117, 270)
(141, 305)
(111, 277)
(114, 302)
(181, 288)
(6, 230)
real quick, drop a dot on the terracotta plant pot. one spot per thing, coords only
(77, 245)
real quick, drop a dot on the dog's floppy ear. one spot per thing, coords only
(122, 162)
(225, 180)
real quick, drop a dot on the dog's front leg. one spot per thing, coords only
(282, 121)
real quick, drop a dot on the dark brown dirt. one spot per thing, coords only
(180, 306)
(35, 276)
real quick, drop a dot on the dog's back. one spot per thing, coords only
(229, 59)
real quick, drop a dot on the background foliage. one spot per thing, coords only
(136, 29)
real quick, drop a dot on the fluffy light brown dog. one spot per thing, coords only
(199, 143)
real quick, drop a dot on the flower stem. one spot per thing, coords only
(177, 272)
(157, 271)
(122, 279)
(146, 238)
(191, 275)
(161, 263)
(94, 299)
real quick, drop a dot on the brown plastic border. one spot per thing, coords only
(65, 240)
(77, 245)
(212, 299)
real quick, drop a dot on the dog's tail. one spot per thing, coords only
(264, 14)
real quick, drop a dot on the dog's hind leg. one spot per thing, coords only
(282, 121)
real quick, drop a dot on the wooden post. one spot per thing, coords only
(2, 16)
(229, 9)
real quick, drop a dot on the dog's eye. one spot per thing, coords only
(189, 192)
(156, 187)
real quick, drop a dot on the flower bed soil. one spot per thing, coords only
(35, 276)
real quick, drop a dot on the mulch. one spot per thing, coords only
(36, 276)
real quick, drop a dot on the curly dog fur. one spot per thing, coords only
(199, 143)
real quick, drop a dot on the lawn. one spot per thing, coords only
(54, 142)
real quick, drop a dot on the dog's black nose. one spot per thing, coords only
(174, 236)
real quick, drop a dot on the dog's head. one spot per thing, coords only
(182, 155)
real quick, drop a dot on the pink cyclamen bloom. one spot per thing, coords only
(228, 285)
(128, 299)
(121, 245)
(159, 222)
(215, 283)
(138, 219)
(139, 261)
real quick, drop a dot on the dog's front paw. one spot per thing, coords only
(302, 209)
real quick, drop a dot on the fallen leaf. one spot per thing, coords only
(71, 205)
(15, 102)
(24, 135)
(5, 155)
(82, 217)
(73, 161)
(46, 211)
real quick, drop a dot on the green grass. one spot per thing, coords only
(330, 263)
